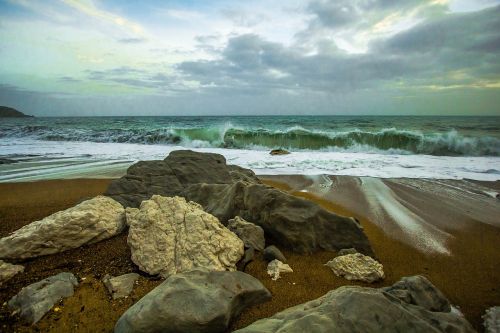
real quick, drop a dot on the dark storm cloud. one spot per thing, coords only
(455, 42)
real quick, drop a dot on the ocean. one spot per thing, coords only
(378, 146)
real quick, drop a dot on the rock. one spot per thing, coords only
(343, 252)
(33, 301)
(279, 152)
(194, 301)
(88, 222)
(288, 221)
(247, 258)
(120, 286)
(358, 309)
(492, 320)
(357, 267)
(272, 252)
(419, 291)
(275, 267)
(226, 191)
(168, 235)
(252, 235)
(7, 271)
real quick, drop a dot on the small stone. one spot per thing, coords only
(279, 151)
(272, 252)
(8, 271)
(492, 320)
(120, 286)
(251, 234)
(357, 267)
(275, 267)
(343, 252)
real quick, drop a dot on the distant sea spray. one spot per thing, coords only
(350, 134)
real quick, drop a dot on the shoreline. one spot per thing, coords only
(469, 277)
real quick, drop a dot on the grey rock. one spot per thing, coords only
(272, 252)
(8, 271)
(88, 222)
(252, 235)
(492, 320)
(343, 252)
(248, 257)
(194, 301)
(419, 291)
(226, 191)
(35, 300)
(357, 309)
(120, 286)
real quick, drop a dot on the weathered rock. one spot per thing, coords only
(343, 252)
(275, 267)
(419, 291)
(120, 286)
(279, 152)
(227, 191)
(291, 222)
(33, 301)
(8, 271)
(272, 252)
(168, 235)
(88, 222)
(194, 301)
(357, 267)
(252, 235)
(492, 320)
(357, 309)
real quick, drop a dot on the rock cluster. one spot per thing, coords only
(195, 301)
(88, 222)
(33, 301)
(226, 191)
(357, 309)
(357, 267)
(168, 235)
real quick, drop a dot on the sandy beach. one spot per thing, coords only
(467, 272)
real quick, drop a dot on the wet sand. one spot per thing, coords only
(469, 277)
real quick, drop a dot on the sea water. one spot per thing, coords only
(378, 146)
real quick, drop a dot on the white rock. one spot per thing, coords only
(88, 222)
(275, 267)
(168, 235)
(357, 267)
(492, 320)
(7, 271)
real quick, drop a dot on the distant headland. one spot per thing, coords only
(6, 112)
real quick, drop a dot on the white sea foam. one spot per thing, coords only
(106, 155)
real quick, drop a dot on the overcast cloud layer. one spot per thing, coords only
(70, 57)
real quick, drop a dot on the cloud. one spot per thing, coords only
(132, 40)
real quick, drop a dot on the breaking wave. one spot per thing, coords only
(389, 140)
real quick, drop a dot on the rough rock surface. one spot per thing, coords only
(492, 320)
(228, 190)
(275, 267)
(120, 286)
(343, 252)
(194, 301)
(168, 235)
(88, 222)
(33, 301)
(7, 271)
(357, 267)
(252, 235)
(247, 258)
(357, 309)
(272, 252)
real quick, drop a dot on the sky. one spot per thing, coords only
(253, 57)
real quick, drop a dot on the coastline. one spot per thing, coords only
(468, 275)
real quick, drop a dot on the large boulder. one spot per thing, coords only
(8, 271)
(357, 267)
(289, 221)
(357, 309)
(227, 191)
(33, 301)
(168, 235)
(252, 235)
(88, 222)
(192, 302)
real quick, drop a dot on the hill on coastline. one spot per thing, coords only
(7, 112)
